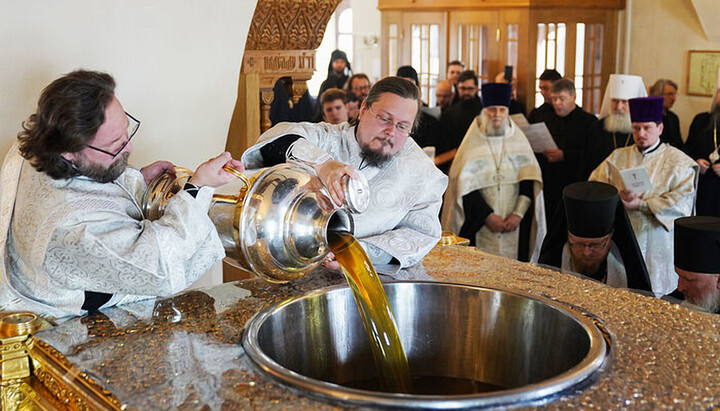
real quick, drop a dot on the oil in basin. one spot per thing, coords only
(467, 346)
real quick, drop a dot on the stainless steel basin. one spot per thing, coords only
(532, 348)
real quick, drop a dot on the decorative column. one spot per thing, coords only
(281, 43)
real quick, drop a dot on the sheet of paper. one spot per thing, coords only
(520, 119)
(636, 179)
(539, 137)
(615, 177)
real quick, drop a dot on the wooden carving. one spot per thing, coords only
(289, 24)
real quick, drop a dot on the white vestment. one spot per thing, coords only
(674, 177)
(495, 166)
(616, 275)
(401, 220)
(60, 238)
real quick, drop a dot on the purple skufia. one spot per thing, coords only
(646, 109)
(496, 94)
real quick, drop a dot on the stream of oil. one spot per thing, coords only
(376, 313)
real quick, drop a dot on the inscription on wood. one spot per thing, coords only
(286, 61)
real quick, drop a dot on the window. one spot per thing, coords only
(550, 52)
(472, 48)
(512, 46)
(393, 39)
(425, 58)
(590, 42)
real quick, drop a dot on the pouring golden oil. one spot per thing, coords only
(375, 310)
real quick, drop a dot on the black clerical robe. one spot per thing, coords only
(600, 143)
(700, 144)
(428, 131)
(570, 134)
(671, 130)
(455, 121)
(516, 107)
(540, 114)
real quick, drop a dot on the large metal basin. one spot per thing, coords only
(532, 347)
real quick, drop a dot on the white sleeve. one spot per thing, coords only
(106, 250)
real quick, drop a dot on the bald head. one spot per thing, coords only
(444, 93)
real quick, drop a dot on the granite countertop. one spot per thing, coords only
(185, 352)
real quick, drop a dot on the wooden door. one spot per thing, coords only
(580, 44)
(474, 38)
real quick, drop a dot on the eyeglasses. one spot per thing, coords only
(594, 247)
(403, 129)
(132, 128)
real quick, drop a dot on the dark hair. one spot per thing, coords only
(408, 72)
(357, 76)
(550, 75)
(70, 111)
(658, 89)
(563, 85)
(467, 75)
(332, 94)
(398, 86)
(456, 63)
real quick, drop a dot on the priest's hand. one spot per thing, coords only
(331, 173)
(495, 223)
(331, 263)
(630, 199)
(149, 172)
(211, 173)
(716, 168)
(554, 155)
(704, 165)
(512, 223)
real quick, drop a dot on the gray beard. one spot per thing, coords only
(492, 131)
(618, 123)
(710, 302)
(104, 175)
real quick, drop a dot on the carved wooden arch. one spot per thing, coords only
(282, 40)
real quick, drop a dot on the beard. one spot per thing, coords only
(709, 302)
(376, 158)
(491, 130)
(618, 122)
(588, 268)
(101, 174)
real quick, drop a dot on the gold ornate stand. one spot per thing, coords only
(37, 377)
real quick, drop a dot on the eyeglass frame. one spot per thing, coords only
(593, 247)
(386, 122)
(130, 136)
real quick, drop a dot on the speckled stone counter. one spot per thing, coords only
(185, 353)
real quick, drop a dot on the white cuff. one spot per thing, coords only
(304, 151)
(521, 205)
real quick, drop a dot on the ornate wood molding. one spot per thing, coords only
(282, 40)
(289, 24)
(494, 4)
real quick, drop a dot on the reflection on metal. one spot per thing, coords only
(275, 226)
(34, 374)
(449, 238)
(70, 385)
(535, 348)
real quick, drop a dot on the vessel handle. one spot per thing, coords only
(237, 174)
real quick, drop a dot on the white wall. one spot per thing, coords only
(367, 24)
(662, 32)
(176, 64)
